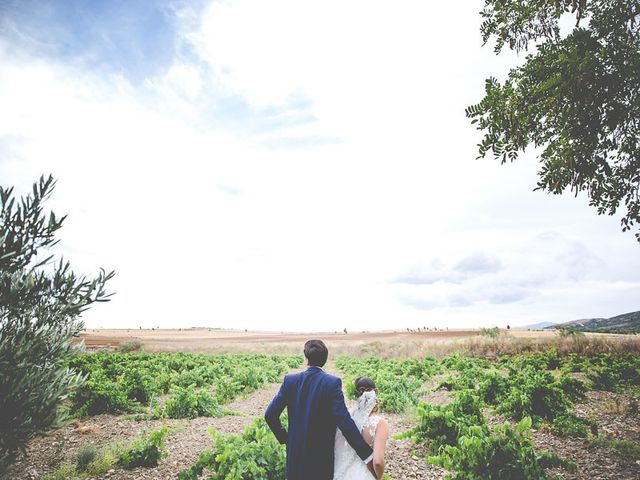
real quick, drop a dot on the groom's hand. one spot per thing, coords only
(371, 469)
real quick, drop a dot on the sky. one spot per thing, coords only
(292, 165)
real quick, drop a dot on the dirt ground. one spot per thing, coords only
(403, 458)
(189, 437)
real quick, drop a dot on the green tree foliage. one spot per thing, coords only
(576, 99)
(40, 304)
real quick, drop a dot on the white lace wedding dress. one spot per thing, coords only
(348, 465)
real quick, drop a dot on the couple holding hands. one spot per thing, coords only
(324, 440)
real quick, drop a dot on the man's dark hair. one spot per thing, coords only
(316, 352)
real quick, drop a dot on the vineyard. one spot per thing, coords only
(513, 417)
(197, 384)
(519, 393)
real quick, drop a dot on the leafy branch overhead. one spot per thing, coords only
(575, 98)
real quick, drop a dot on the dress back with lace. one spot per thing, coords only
(347, 464)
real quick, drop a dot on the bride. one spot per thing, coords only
(374, 429)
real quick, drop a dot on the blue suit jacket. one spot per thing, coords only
(315, 405)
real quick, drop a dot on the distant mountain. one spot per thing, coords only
(625, 323)
(541, 325)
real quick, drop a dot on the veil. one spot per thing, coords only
(366, 403)
(346, 459)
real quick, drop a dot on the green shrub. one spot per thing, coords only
(467, 372)
(462, 363)
(206, 461)
(573, 388)
(398, 381)
(192, 377)
(255, 455)
(130, 346)
(102, 461)
(40, 304)
(570, 333)
(492, 387)
(121, 382)
(575, 363)
(547, 360)
(139, 384)
(86, 455)
(551, 460)
(464, 380)
(146, 452)
(533, 394)
(440, 425)
(614, 373)
(507, 453)
(227, 389)
(100, 394)
(106, 459)
(396, 393)
(191, 403)
(607, 371)
(569, 425)
(251, 378)
(490, 332)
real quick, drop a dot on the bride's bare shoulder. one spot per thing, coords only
(380, 421)
(382, 428)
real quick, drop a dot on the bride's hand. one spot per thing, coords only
(371, 469)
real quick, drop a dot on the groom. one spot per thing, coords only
(316, 407)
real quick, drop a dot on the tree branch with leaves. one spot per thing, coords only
(576, 98)
(40, 305)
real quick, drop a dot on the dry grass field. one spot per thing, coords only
(385, 344)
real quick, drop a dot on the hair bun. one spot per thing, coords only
(364, 384)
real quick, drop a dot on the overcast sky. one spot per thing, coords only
(292, 165)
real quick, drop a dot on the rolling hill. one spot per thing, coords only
(625, 323)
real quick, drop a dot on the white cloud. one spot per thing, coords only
(181, 80)
(550, 276)
(312, 153)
